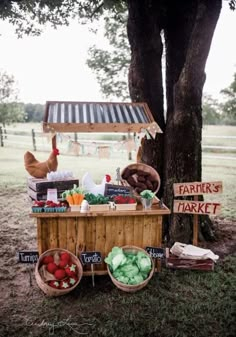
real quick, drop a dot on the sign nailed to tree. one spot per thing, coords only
(196, 188)
(196, 207)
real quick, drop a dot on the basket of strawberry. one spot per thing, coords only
(49, 206)
(58, 272)
(125, 202)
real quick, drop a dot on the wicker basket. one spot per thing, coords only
(128, 287)
(44, 286)
(147, 170)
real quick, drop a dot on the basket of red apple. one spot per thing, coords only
(58, 272)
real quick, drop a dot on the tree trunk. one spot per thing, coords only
(145, 72)
(182, 156)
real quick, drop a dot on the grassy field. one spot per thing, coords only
(216, 165)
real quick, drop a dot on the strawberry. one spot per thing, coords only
(48, 259)
(52, 267)
(60, 274)
(54, 284)
(39, 203)
(65, 256)
(63, 263)
(64, 284)
(71, 270)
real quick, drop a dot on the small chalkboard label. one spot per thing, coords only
(155, 252)
(91, 257)
(113, 190)
(27, 256)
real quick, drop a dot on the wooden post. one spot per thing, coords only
(1, 137)
(33, 140)
(195, 225)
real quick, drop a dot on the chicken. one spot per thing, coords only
(90, 187)
(39, 169)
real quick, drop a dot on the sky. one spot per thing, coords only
(53, 65)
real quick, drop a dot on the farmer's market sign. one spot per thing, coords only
(197, 188)
(195, 206)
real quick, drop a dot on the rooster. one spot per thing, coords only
(90, 187)
(39, 169)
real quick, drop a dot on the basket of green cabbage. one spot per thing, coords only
(129, 267)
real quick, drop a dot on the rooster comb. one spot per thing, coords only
(56, 152)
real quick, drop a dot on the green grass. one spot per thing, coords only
(173, 304)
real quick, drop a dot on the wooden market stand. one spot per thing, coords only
(98, 231)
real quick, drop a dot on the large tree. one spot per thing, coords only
(188, 27)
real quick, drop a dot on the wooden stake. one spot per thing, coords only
(195, 226)
(92, 270)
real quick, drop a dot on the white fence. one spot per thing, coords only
(39, 141)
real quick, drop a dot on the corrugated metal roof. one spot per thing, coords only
(96, 116)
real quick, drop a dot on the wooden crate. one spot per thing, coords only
(174, 262)
(37, 188)
(100, 231)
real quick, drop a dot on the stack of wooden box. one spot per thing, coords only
(37, 188)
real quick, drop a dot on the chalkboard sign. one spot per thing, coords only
(155, 252)
(113, 190)
(27, 256)
(91, 257)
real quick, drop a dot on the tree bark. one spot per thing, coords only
(145, 72)
(182, 155)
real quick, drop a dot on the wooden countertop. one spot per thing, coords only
(155, 210)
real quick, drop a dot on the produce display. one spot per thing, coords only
(140, 179)
(74, 196)
(58, 271)
(98, 199)
(124, 199)
(39, 206)
(129, 268)
(147, 194)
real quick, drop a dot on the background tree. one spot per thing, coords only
(34, 112)
(211, 111)
(10, 110)
(229, 107)
(188, 27)
(111, 66)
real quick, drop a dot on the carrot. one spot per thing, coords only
(70, 199)
(78, 198)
